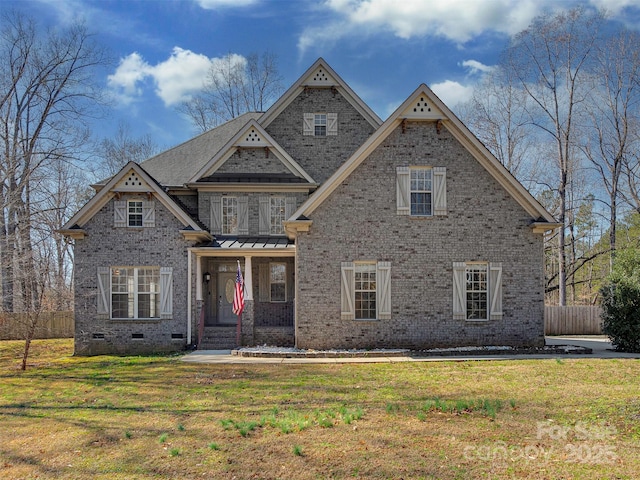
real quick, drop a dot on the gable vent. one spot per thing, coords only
(133, 181)
(320, 76)
(422, 106)
(252, 136)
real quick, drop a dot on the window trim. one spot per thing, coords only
(471, 267)
(135, 214)
(318, 124)
(372, 268)
(279, 221)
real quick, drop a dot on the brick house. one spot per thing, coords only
(350, 232)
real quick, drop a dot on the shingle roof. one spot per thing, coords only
(175, 166)
(253, 178)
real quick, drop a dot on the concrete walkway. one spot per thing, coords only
(599, 344)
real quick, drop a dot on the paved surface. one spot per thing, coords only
(599, 344)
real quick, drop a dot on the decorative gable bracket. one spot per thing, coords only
(544, 227)
(292, 227)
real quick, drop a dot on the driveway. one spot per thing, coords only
(600, 346)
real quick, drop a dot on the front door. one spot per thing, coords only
(226, 290)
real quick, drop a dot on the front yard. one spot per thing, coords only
(156, 417)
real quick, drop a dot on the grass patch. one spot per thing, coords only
(140, 417)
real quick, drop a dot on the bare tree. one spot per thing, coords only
(497, 115)
(47, 93)
(116, 152)
(612, 118)
(234, 85)
(550, 60)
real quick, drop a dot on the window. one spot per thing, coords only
(421, 191)
(277, 282)
(477, 291)
(134, 213)
(229, 216)
(476, 275)
(320, 124)
(277, 215)
(135, 292)
(366, 290)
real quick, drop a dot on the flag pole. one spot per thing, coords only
(239, 303)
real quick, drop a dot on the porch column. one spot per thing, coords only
(248, 279)
(198, 278)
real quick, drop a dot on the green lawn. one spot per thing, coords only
(156, 417)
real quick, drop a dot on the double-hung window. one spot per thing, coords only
(229, 215)
(278, 282)
(320, 124)
(134, 213)
(365, 291)
(421, 192)
(477, 291)
(135, 292)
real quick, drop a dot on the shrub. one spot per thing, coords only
(621, 313)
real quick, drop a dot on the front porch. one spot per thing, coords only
(268, 268)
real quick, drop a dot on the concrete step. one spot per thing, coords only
(219, 338)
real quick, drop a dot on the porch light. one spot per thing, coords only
(206, 277)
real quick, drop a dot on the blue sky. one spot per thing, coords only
(382, 48)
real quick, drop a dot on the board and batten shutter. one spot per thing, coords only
(148, 213)
(215, 210)
(264, 290)
(307, 124)
(289, 207)
(166, 292)
(332, 124)
(347, 291)
(120, 213)
(104, 290)
(264, 214)
(439, 190)
(403, 193)
(243, 215)
(459, 291)
(383, 290)
(495, 291)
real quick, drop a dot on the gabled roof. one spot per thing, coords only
(175, 166)
(423, 104)
(252, 135)
(320, 74)
(132, 178)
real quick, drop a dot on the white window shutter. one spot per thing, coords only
(166, 292)
(459, 291)
(307, 126)
(148, 214)
(383, 291)
(403, 192)
(264, 285)
(264, 214)
(495, 291)
(439, 191)
(243, 215)
(216, 215)
(332, 124)
(104, 290)
(289, 207)
(347, 291)
(120, 213)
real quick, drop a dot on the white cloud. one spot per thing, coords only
(452, 93)
(458, 20)
(476, 67)
(615, 6)
(213, 4)
(176, 78)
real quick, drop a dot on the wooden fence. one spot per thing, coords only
(577, 320)
(50, 325)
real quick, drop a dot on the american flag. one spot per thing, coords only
(238, 297)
